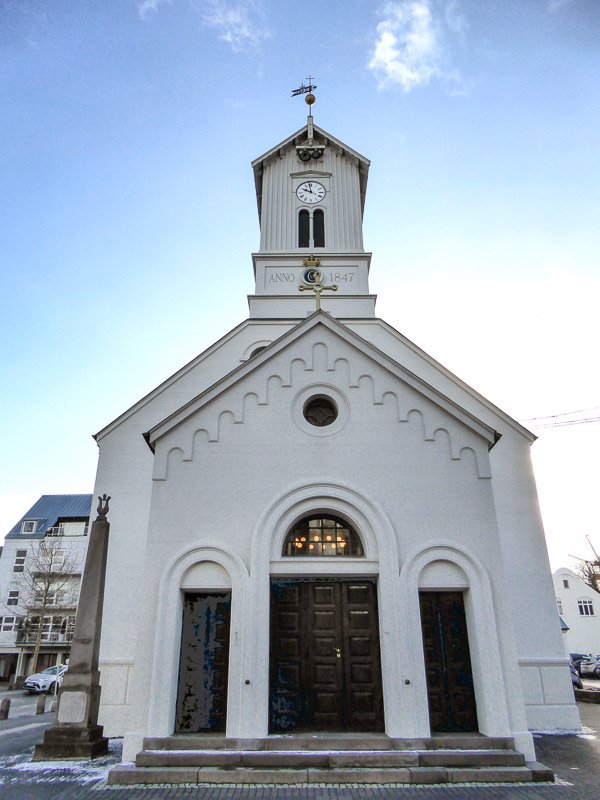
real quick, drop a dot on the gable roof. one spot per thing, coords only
(147, 398)
(299, 137)
(321, 318)
(565, 571)
(49, 509)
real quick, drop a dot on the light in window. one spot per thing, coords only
(322, 536)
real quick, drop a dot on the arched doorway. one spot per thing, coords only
(325, 670)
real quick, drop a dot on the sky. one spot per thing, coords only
(128, 213)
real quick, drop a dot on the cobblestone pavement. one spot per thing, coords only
(574, 758)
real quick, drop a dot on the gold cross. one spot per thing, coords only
(314, 280)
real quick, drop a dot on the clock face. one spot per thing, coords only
(310, 192)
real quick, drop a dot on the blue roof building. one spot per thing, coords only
(49, 510)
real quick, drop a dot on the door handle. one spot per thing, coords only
(338, 652)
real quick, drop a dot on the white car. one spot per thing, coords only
(590, 667)
(46, 680)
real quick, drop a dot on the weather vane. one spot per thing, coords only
(304, 89)
(309, 149)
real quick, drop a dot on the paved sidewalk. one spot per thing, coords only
(574, 758)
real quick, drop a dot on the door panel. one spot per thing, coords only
(204, 663)
(325, 667)
(452, 706)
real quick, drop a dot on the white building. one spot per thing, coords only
(314, 525)
(40, 572)
(579, 607)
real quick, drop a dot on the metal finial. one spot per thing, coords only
(102, 507)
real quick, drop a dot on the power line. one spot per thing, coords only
(559, 421)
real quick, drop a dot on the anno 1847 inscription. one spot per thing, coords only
(283, 280)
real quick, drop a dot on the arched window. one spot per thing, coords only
(322, 536)
(303, 228)
(319, 228)
(586, 607)
(257, 350)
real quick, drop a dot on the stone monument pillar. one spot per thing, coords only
(76, 733)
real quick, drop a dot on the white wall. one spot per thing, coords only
(583, 635)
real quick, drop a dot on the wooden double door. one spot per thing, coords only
(325, 671)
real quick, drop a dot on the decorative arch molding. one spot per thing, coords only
(490, 685)
(381, 560)
(322, 359)
(167, 639)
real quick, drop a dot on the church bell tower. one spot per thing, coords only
(310, 191)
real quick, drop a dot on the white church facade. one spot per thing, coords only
(317, 527)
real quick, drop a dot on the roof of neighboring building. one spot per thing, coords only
(49, 509)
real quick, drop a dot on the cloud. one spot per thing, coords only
(146, 8)
(411, 47)
(556, 6)
(456, 20)
(240, 24)
(407, 51)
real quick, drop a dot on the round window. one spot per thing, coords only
(320, 411)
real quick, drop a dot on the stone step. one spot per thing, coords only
(346, 741)
(469, 741)
(472, 758)
(125, 774)
(328, 759)
(188, 741)
(332, 741)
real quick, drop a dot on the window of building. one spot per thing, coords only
(303, 228)
(322, 536)
(586, 607)
(311, 228)
(257, 350)
(8, 624)
(20, 557)
(66, 528)
(565, 583)
(559, 605)
(320, 411)
(319, 228)
(13, 597)
(28, 526)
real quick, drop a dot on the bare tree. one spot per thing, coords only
(48, 581)
(589, 572)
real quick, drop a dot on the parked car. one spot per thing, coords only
(590, 667)
(575, 679)
(46, 680)
(577, 658)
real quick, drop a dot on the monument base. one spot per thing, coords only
(71, 742)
